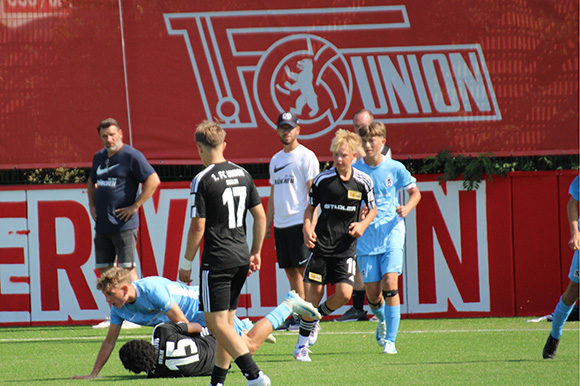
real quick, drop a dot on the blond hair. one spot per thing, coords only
(113, 278)
(344, 137)
(209, 134)
(375, 129)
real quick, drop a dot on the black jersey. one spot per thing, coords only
(181, 355)
(222, 194)
(340, 202)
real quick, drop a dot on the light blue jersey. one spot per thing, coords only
(388, 178)
(155, 296)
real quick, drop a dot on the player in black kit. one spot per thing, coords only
(221, 196)
(340, 192)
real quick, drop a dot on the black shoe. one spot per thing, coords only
(550, 348)
(290, 324)
(353, 315)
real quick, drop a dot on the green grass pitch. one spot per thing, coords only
(479, 351)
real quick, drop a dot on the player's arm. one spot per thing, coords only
(91, 188)
(270, 213)
(572, 210)
(356, 229)
(414, 198)
(147, 189)
(258, 232)
(309, 226)
(104, 352)
(175, 314)
(194, 236)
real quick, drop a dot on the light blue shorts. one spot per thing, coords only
(373, 267)
(575, 268)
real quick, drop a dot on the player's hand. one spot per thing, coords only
(255, 262)
(356, 229)
(309, 239)
(90, 376)
(267, 234)
(402, 211)
(364, 210)
(184, 275)
(93, 211)
(574, 242)
(126, 213)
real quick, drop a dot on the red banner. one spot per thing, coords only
(491, 76)
(467, 253)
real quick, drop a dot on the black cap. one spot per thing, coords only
(287, 118)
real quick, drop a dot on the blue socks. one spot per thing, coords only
(561, 314)
(392, 315)
(279, 315)
(393, 318)
(380, 312)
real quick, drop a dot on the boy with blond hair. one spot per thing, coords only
(340, 192)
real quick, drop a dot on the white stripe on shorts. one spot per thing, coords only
(205, 290)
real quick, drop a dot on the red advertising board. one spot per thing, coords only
(468, 253)
(488, 76)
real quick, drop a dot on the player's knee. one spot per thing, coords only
(390, 294)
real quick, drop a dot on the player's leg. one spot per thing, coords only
(219, 295)
(341, 273)
(125, 245)
(105, 254)
(292, 255)
(291, 304)
(356, 312)
(392, 310)
(314, 293)
(371, 266)
(563, 309)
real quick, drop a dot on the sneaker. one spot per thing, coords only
(301, 354)
(248, 325)
(550, 347)
(389, 347)
(270, 339)
(299, 306)
(374, 318)
(262, 380)
(291, 324)
(381, 333)
(352, 315)
(314, 334)
(128, 325)
(104, 324)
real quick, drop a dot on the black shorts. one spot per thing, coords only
(329, 270)
(120, 245)
(290, 248)
(220, 289)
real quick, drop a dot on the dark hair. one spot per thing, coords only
(106, 123)
(138, 355)
(375, 129)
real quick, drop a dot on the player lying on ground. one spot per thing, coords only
(148, 302)
(188, 349)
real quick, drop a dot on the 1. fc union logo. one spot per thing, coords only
(251, 65)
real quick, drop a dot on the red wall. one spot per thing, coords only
(498, 251)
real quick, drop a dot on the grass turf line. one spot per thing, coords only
(479, 351)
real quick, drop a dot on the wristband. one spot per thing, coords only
(185, 264)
